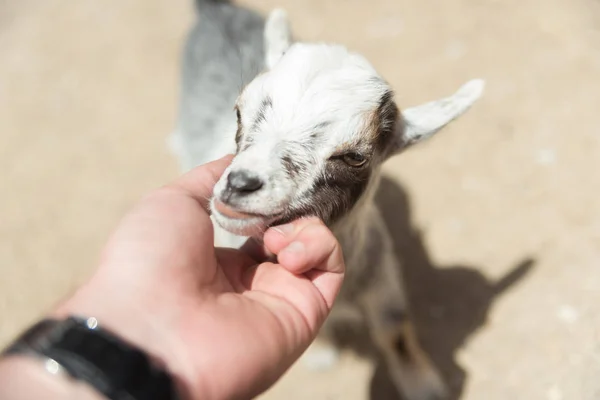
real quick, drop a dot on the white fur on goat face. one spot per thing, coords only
(297, 121)
(316, 104)
(293, 118)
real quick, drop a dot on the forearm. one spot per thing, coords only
(25, 378)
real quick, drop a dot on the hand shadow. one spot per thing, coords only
(447, 304)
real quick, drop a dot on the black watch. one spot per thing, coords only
(97, 357)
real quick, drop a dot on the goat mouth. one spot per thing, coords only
(230, 212)
(241, 223)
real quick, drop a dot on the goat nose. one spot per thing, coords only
(243, 181)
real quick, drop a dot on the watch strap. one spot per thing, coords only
(89, 353)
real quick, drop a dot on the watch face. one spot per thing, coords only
(88, 353)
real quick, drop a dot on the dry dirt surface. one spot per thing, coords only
(504, 270)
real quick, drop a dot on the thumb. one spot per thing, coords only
(200, 181)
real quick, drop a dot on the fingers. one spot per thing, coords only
(304, 245)
(308, 247)
(200, 181)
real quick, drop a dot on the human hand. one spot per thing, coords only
(226, 322)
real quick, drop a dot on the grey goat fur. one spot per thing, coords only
(223, 52)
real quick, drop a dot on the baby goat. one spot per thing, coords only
(313, 130)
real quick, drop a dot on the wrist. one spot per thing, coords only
(135, 321)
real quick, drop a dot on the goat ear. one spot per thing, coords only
(277, 36)
(422, 122)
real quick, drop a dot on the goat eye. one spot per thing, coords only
(354, 159)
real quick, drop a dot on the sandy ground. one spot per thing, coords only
(505, 272)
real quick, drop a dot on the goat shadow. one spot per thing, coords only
(447, 304)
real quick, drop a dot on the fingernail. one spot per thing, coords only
(284, 229)
(295, 248)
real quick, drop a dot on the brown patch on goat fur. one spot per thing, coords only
(238, 133)
(380, 130)
(383, 125)
(341, 186)
(403, 344)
